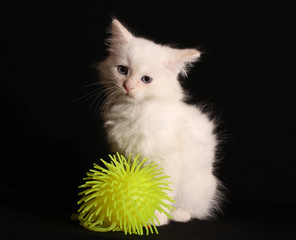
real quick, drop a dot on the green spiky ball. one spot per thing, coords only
(124, 196)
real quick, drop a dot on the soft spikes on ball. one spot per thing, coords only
(124, 196)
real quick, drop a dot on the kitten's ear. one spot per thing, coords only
(119, 33)
(182, 59)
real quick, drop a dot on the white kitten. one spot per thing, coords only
(146, 114)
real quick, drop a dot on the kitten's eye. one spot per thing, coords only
(146, 79)
(123, 70)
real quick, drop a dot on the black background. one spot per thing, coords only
(49, 140)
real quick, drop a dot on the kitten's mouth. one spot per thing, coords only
(129, 95)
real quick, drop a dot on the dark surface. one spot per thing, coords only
(50, 139)
(29, 216)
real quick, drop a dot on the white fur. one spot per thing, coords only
(151, 119)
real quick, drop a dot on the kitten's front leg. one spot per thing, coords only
(162, 219)
(180, 215)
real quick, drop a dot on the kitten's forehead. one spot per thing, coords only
(141, 50)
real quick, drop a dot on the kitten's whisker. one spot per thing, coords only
(96, 99)
(101, 101)
(89, 95)
(101, 107)
(91, 85)
(107, 102)
(101, 97)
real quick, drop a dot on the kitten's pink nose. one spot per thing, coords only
(127, 86)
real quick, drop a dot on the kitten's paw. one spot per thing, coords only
(180, 215)
(162, 218)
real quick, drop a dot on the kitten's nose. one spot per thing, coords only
(127, 86)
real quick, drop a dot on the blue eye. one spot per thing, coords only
(123, 70)
(146, 79)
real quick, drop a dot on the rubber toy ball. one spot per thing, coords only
(124, 196)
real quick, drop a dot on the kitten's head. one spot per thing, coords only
(138, 69)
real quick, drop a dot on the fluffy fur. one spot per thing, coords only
(152, 119)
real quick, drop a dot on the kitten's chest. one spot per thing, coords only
(138, 129)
